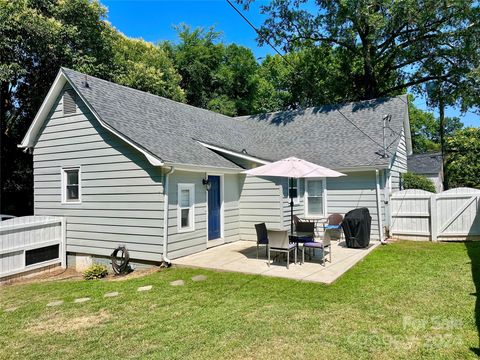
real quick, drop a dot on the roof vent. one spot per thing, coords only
(69, 102)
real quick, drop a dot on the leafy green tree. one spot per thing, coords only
(214, 76)
(463, 158)
(235, 80)
(196, 57)
(397, 44)
(144, 66)
(36, 38)
(308, 77)
(425, 128)
(415, 181)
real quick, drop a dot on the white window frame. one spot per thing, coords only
(296, 200)
(324, 199)
(191, 220)
(64, 184)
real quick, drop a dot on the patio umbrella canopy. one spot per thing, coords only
(295, 168)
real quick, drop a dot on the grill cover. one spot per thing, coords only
(356, 227)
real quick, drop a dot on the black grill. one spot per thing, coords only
(356, 227)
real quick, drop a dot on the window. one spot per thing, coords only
(185, 216)
(315, 198)
(71, 188)
(294, 190)
(69, 102)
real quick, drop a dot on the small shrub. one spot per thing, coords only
(95, 271)
(414, 181)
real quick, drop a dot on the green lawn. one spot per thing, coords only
(405, 300)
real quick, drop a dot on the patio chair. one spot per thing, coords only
(279, 242)
(262, 236)
(324, 245)
(305, 227)
(333, 226)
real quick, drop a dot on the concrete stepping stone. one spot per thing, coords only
(177, 283)
(81, 300)
(111, 294)
(145, 288)
(199, 278)
(55, 303)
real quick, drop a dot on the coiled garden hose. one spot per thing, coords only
(120, 259)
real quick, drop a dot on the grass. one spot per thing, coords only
(407, 300)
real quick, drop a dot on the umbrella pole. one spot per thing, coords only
(291, 206)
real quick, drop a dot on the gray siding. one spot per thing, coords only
(232, 207)
(122, 193)
(357, 189)
(298, 207)
(185, 243)
(260, 201)
(399, 163)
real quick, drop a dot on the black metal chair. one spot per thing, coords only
(262, 236)
(305, 227)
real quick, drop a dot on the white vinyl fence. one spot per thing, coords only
(450, 215)
(31, 242)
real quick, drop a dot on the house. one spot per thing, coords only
(165, 179)
(429, 165)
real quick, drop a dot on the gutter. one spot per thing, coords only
(379, 207)
(165, 259)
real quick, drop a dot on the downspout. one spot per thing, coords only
(166, 261)
(379, 207)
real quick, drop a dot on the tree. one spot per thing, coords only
(398, 44)
(144, 66)
(36, 38)
(425, 128)
(196, 58)
(214, 76)
(415, 181)
(463, 158)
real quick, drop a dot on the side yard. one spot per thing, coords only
(405, 300)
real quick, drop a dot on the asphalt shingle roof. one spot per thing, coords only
(427, 163)
(170, 129)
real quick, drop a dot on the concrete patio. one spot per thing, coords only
(241, 256)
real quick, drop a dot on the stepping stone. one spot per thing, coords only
(111, 294)
(81, 300)
(177, 283)
(55, 303)
(11, 309)
(145, 288)
(199, 278)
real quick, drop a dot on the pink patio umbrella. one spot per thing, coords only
(295, 168)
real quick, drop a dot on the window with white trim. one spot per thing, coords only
(186, 203)
(71, 185)
(294, 186)
(315, 197)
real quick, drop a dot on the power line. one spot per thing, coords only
(293, 67)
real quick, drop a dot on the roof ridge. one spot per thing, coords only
(334, 105)
(146, 93)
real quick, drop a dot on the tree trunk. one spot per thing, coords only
(3, 86)
(441, 110)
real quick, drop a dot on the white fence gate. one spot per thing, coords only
(451, 215)
(31, 242)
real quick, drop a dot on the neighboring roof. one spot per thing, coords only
(176, 133)
(427, 163)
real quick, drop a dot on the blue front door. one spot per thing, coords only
(214, 206)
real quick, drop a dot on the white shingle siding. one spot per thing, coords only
(122, 194)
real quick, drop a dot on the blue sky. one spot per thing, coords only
(154, 20)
